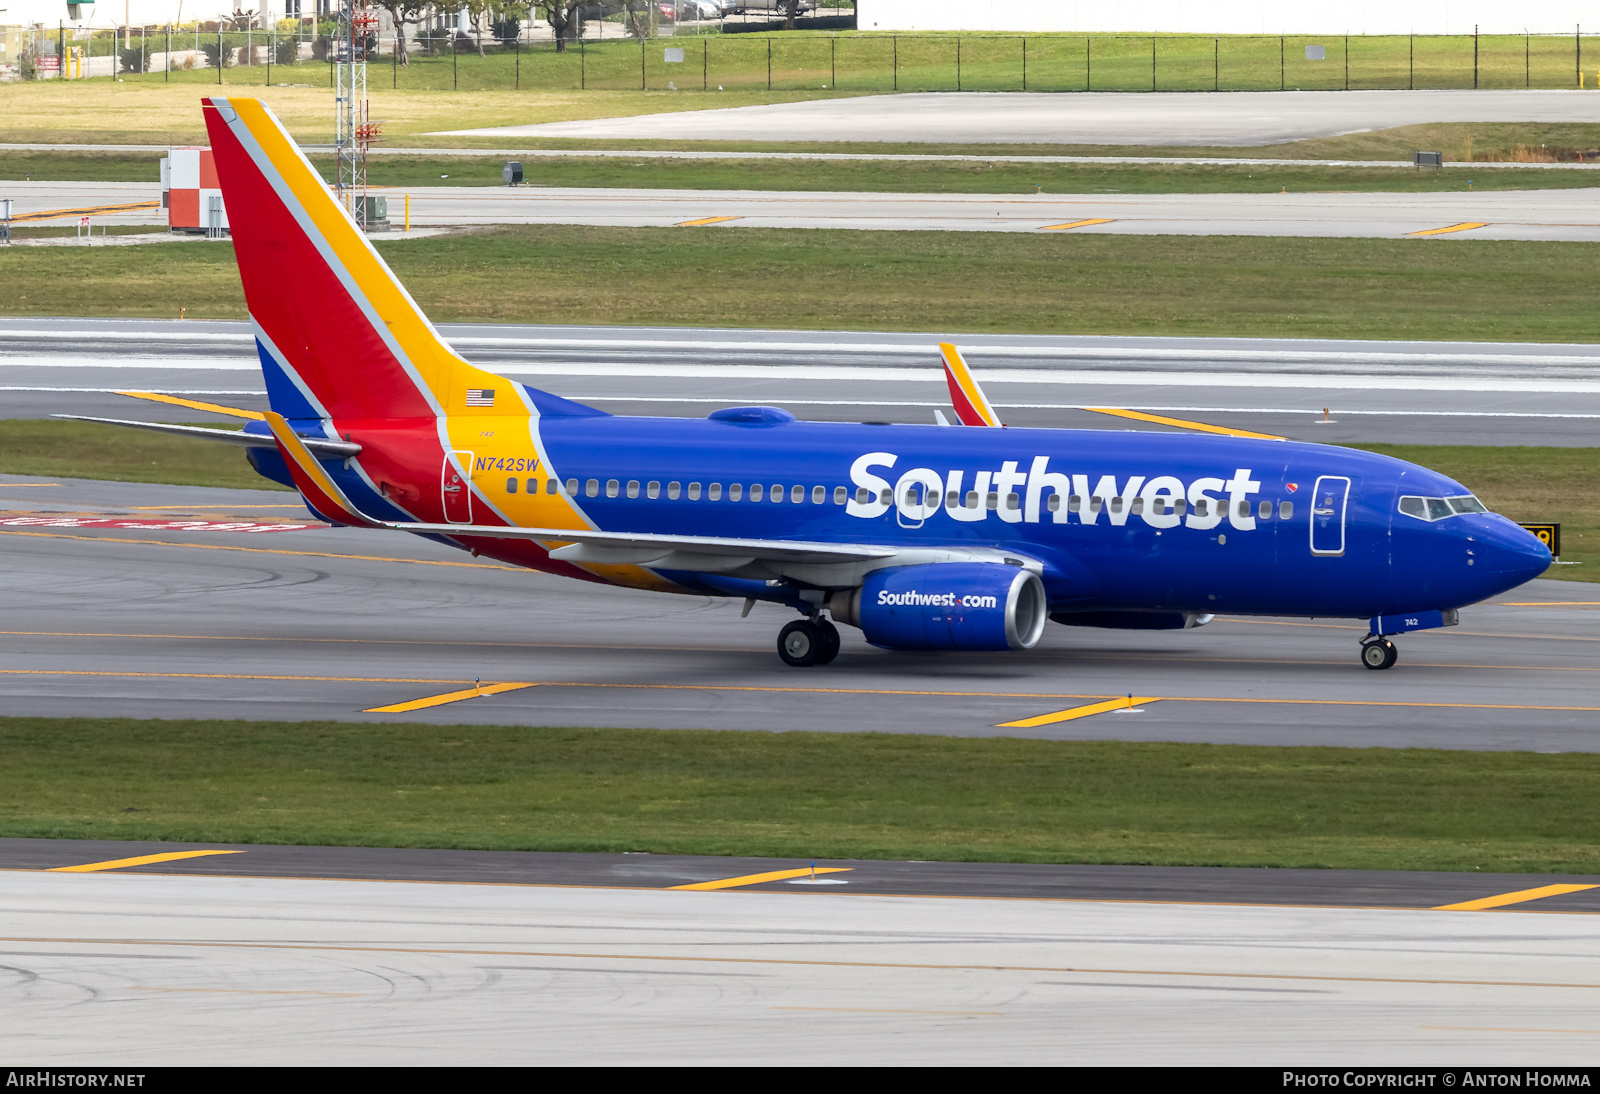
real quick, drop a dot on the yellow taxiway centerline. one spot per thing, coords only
(194, 404)
(757, 879)
(475, 692)
(1464, 226)
(1075, 224)
(1182, 423)
(1518, 897)
(139, 860)
(706, 220)
(1125, 703)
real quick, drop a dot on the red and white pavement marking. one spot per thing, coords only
(156, 525)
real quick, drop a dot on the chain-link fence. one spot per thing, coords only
(689, 55)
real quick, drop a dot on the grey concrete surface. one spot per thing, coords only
(1400, 392)
(853, 877)
(327, 623)
(102, 969)
(1171, 118)
(1563, 214)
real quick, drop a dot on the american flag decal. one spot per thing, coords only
(480, 396)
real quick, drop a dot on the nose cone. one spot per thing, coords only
(1509, 554)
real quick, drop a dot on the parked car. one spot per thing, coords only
(699, 9)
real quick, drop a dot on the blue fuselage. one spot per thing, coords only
(1120, 520)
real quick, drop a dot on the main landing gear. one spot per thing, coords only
(808, 642)
(1378, 653)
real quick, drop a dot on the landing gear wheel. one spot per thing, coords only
(830, 642)
(801, 644)
(1379, 654)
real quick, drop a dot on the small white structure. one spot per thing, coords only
(1229, 16)
(190, 194)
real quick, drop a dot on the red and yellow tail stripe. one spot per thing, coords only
(972, 407)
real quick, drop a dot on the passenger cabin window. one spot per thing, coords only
(862, 497)
(735, 491)
(839, 495)
(1286, 510)
(572, 488)
(819, 494)
(714, 491)
(592, 487)
(673, 490)
(1054, 503)
(613, 488)
(633, 488)
(550, 486)
(1264, 510)
(511, 486)
(652, 489)
(756, 491)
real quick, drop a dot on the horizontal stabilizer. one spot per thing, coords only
(321, 446)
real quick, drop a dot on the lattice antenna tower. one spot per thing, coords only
(353, 129)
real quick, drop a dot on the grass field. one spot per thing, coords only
(875, 62)
(798, 795)
(989, 177)
(808, 279)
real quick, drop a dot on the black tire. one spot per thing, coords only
(800, 643)
(1381, 654)
(830, 642)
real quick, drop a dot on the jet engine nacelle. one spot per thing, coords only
(947, 606)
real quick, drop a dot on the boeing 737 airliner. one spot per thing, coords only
(926, 538)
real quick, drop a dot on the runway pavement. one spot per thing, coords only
(1561, 215)
(132, 970)
(1134, 118)
(1401, 392)
(211, 623)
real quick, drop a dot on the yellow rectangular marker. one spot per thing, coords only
(1183, 423)
(195, 404)
(706, 220)
(757, 879)
(1517, 897)
(1075, 224)
(1079, 712)
(139, 860)
(448, 697)
(1465, 225)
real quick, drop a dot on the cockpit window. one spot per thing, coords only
(1432, 509)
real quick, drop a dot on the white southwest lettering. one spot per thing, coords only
(916, 494)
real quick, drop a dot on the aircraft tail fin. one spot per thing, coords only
(971, 405)
(338, 335)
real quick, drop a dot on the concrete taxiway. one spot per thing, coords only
(207, 622)
(1376, 392)
(1151, 118)
(1560, 215)
(132, 969)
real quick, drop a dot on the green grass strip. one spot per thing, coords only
(799, 795)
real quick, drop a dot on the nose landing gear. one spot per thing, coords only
(1378, 653)
(807, 642)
